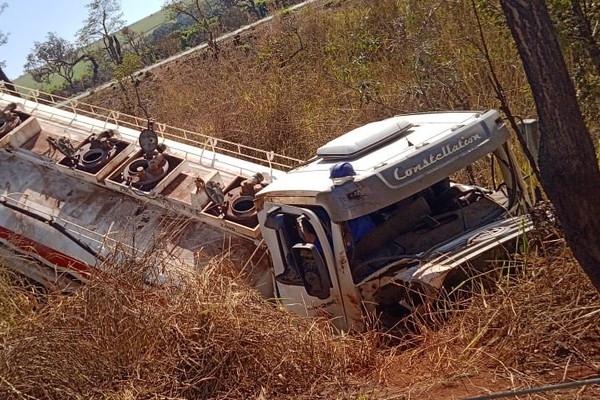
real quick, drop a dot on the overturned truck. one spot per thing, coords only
(378, 220)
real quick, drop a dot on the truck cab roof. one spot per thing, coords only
(392, 159)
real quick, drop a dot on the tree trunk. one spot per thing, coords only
(95, 68)
(567, 160)
(109, 45)
(118, 52)
(7, 82)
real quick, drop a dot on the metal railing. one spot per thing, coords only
(202, 141)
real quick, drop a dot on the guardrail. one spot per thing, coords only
(196, 139)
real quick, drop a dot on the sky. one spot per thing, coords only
(29, 21)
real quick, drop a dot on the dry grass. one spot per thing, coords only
(212, 337)
(209, 338)
(291, 86)
(537, 325)
(304, 79)
(18, 298)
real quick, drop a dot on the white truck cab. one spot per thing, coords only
(379, 214)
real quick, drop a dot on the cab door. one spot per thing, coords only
(306, 279)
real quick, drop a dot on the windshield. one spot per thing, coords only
(468, 199)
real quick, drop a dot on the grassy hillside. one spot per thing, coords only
(151, 22)
(315, 74)
(56, 81)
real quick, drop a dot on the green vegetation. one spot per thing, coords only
(145, 26)
(148, 24)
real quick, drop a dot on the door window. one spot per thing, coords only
(305, 248)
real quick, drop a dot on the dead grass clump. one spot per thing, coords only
(543, 321)
(209, 337)
(18, 298)
(538, 323)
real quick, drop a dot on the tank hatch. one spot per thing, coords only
(92, 154)
(151, 168)
(10, 118)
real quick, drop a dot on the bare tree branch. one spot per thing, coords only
(105, 19)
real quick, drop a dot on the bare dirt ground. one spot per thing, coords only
(419, 382)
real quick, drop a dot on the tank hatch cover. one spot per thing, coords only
(364, 139)
(148, 140)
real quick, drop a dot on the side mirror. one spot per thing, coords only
(312, 269)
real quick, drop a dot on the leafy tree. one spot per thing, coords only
(577, 22)
(130, 65)
(139, 44)
(124, 73)
(204, 13)
(256, 7)
(567, 160)
(105, 19)
(56, 56)
(163, 31)
(197, 10)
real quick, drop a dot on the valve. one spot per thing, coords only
(9, 119)
(146, 171)
(91, 154)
